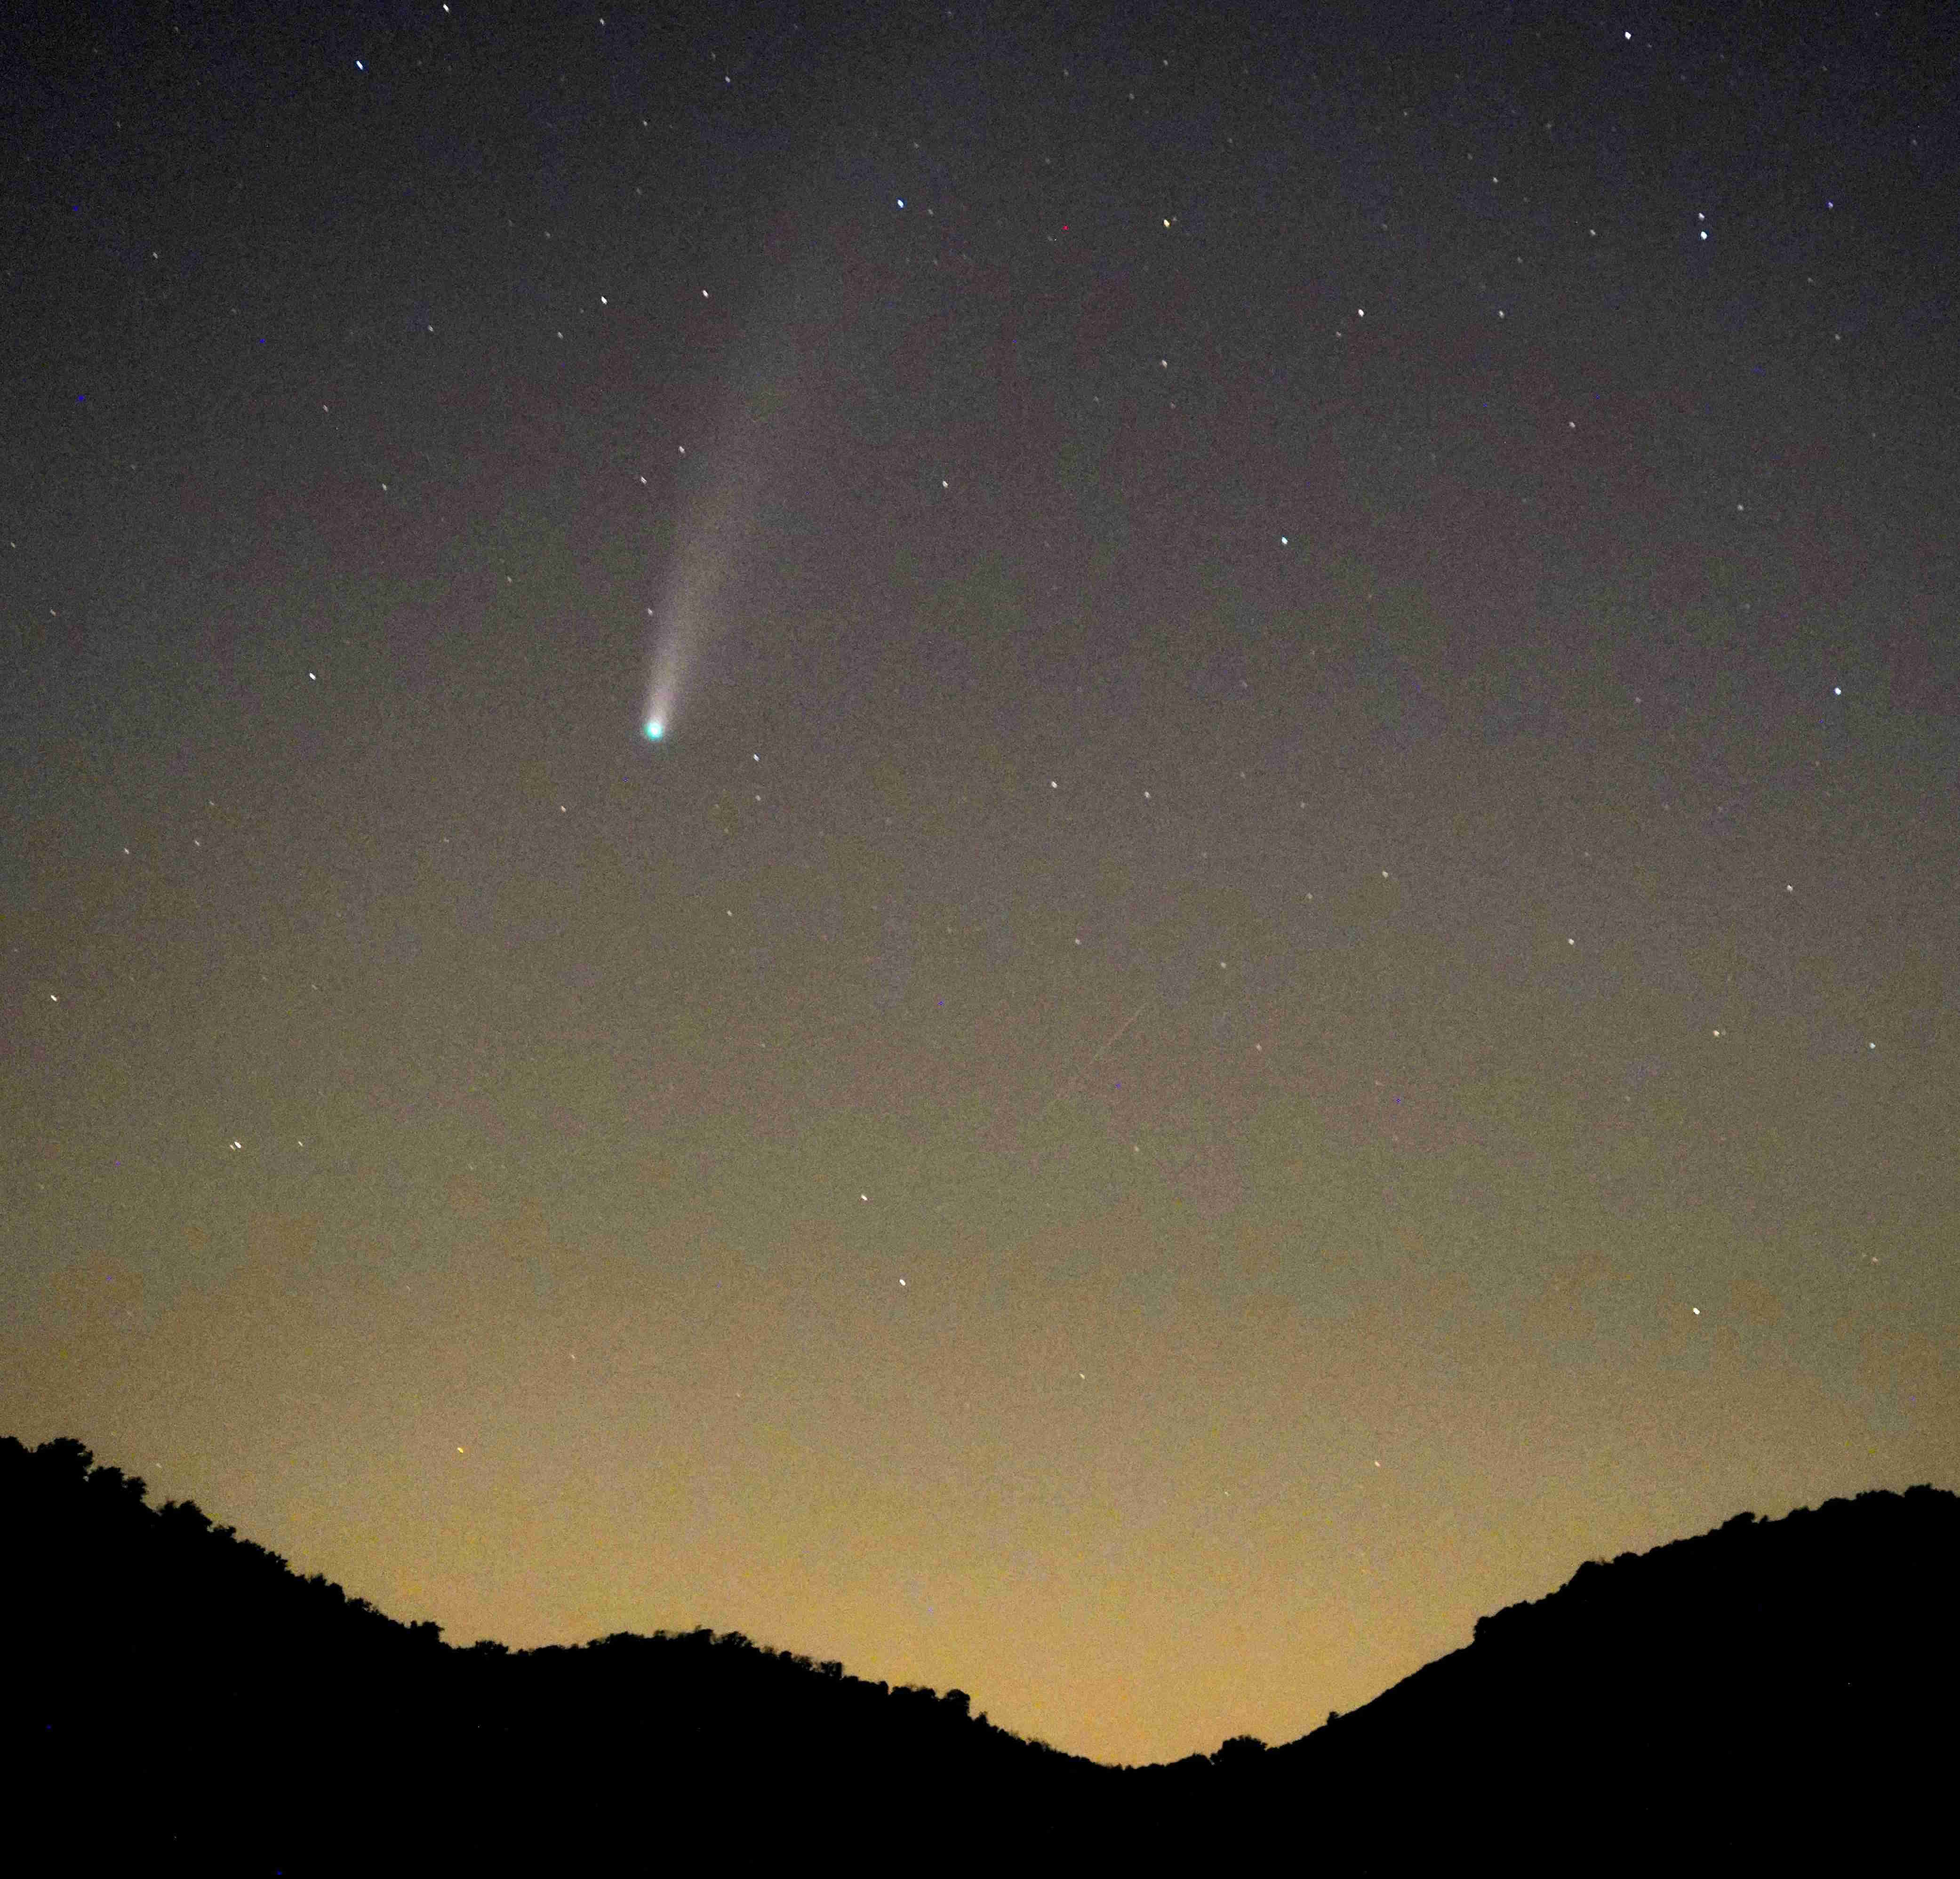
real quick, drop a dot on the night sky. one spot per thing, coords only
(1291, 957)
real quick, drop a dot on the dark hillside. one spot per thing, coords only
(1780, 1684)
(178, 1699)
(177, 1695)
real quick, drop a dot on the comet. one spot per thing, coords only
(719, 509)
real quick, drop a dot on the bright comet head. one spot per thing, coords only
(656, 729)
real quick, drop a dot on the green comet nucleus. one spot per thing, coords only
(656, 730)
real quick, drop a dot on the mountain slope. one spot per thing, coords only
(1784, 1686)
(178, 1699)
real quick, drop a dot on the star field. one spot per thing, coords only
(1102, 855)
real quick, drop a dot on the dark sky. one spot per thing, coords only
(1291, 957)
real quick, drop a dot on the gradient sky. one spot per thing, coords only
(1291, 961)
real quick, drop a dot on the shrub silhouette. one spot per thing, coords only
(1236, 1751)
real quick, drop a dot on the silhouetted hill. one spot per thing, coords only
(184, 1698)
(178, 1699)
(1773, 1690)
(1768, 1689)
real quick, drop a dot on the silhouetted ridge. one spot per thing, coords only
(180, 1700)
(222, 1698)
(1761, 1686)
